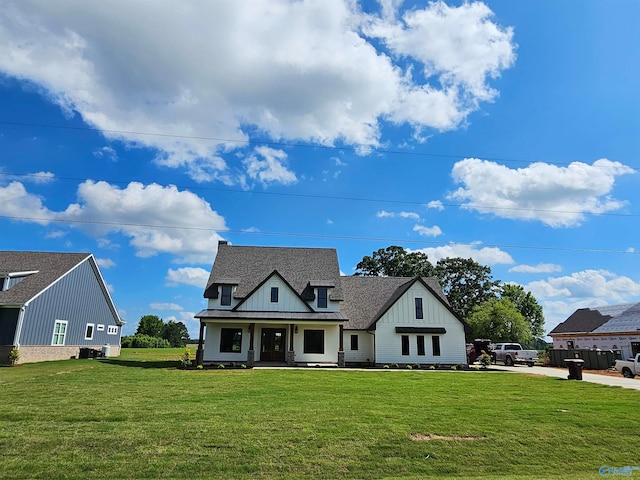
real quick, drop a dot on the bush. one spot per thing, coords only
(409, 367)
(143, 341)
(14, 356)
(185, 359)
(485, 360)
(432, 367)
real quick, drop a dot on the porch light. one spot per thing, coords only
(295, 329)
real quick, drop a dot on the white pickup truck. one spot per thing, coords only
(512, 353)
(629, 368)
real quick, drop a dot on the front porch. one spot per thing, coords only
(270, 343)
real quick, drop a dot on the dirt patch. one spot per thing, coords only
(419, 437)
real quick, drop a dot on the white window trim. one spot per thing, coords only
(100, 327)
(64, 335)
(112, 330)
(93, 330)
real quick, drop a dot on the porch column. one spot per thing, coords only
(251, 353)
(200, 351)
(291, 355)
(341, 348)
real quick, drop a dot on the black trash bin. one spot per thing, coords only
(575, 368)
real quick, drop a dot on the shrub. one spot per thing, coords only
(221, 365)
(409, 367)
(199, 367)
(395, 365)
(485, 360)
(14, 356)
(143, 341)
(417, 365)
(454, 367)
(243, 365)
(432, 367)
(386, 366)
(185, 359)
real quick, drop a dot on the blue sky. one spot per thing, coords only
(503, 131)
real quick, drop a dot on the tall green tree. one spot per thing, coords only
(466, 284)
(395, 261)
(151, 325)
(175, 333)
(499, 320)
(528, 306)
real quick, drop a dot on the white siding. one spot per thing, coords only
(212, 344)
(214, 303)
(331, 344)
(364, 354)
(260, 300)
(388, 343)
(332, 306)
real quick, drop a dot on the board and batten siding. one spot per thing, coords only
(331, 344)
(212, 351)
(365, 352)
(77, 298)
(388, 343)
(260, 300)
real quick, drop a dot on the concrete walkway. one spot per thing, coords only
(613, 381)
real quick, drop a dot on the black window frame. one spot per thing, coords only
(228, 340)
(435, 345)
(225, 295)
(354, 342)
(274, 294)
(313, 341)
(419, 309)
(405, 345)
(323, 297)
(420, 345)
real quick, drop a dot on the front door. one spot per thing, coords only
(273, 345)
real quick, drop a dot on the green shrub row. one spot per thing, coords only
(143, 341)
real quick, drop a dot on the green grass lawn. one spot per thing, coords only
(138, 416)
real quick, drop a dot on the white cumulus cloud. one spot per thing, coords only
(105, 262)
(196, 277)
(482, 255)
(427, 231)
(540, 268)
(165, 306)
(554, 195)
(268, 165)
(192, 80)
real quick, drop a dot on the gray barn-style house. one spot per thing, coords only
(54, 304)
(292, 306)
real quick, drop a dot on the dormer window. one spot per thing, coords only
(225, 297)
(3, 282)
(322, 297)
(9, 280)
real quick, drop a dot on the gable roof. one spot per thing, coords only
(48, 268)
(284, 280)
(247, 267)
(369, 298)
(606, 319)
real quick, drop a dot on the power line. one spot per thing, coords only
(316, 235)
(341, 198)
(282, 144)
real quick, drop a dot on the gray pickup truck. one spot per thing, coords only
(629, 368)
(513, 353)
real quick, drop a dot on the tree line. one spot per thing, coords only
(493, 310)
(153, 332)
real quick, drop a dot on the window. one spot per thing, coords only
(231, 340)
(3, 280)
(420, 339)
(435, 343)
(354, 342)
(112, 330)
(59, 331)
(405, 344)
(322, 298)
(314, 341)
(225, 298)
(88, 333)
(274, 294)
(419, 308)
(100, 327)
(569, 344)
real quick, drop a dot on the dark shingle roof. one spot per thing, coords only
(606, 319)
(49, 266)
(367, 298)
(248, 266)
